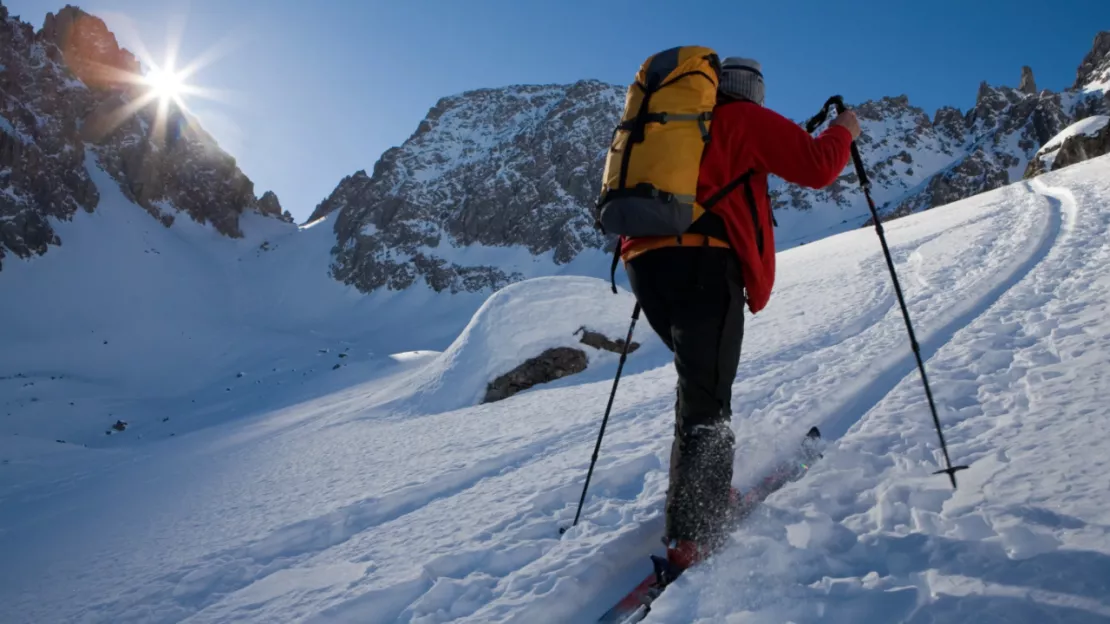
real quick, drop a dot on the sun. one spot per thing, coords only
(165, 84)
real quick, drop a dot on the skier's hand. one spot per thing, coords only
(848, 120)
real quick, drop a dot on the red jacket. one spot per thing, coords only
(745, 136)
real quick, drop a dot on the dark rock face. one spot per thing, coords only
(269, 205)
(1079, 148)
(548, 366)
(1096, 64)
(70, 99)
(1092, 80)
(352, 190)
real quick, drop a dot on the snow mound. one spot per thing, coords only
(1084, 127)
(516, 323)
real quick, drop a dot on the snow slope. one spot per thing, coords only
(348, 506)
(131, 320)
(871, 537)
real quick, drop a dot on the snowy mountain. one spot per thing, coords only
(486, 172)
(517, 168)
(68, 90)
(383, 491)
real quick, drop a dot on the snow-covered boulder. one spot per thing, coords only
(1083, 140)
(518, 323)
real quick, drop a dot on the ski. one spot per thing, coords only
(637, 603)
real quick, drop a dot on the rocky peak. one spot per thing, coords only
(949, 121)
(88, 48)
(497, 168)
(985, 94)
(269, 205)
(1028, 85)
(348, 192)
(892, 119)
(876, 110)
(1096, 65)
(991, 104)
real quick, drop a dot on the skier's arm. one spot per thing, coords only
(786, 150)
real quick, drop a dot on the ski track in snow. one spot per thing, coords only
(960, 316)
(340, 510)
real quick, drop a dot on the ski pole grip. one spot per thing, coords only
(838, 102)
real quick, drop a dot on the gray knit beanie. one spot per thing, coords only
(742, 78)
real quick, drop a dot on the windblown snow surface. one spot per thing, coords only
(386, 494)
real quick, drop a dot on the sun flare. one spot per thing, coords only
(165, 84)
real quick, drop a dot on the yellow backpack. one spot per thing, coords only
(651, 171)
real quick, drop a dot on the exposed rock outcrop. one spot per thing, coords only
(548, 366)
(598, 340)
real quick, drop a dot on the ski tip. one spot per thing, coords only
(814, 432)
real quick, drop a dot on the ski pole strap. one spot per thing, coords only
(823, 114)
(818, 119)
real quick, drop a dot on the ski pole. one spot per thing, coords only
(605, 420)
(865, 184)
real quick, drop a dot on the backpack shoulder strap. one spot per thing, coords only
(728, 188)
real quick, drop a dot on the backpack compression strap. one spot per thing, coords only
(728, 188)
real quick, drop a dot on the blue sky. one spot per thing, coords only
(311, 92)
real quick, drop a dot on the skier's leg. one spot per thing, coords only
(650, 277)
(707, 329)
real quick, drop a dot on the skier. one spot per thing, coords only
(693, 287)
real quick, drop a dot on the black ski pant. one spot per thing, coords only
(693, 298)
